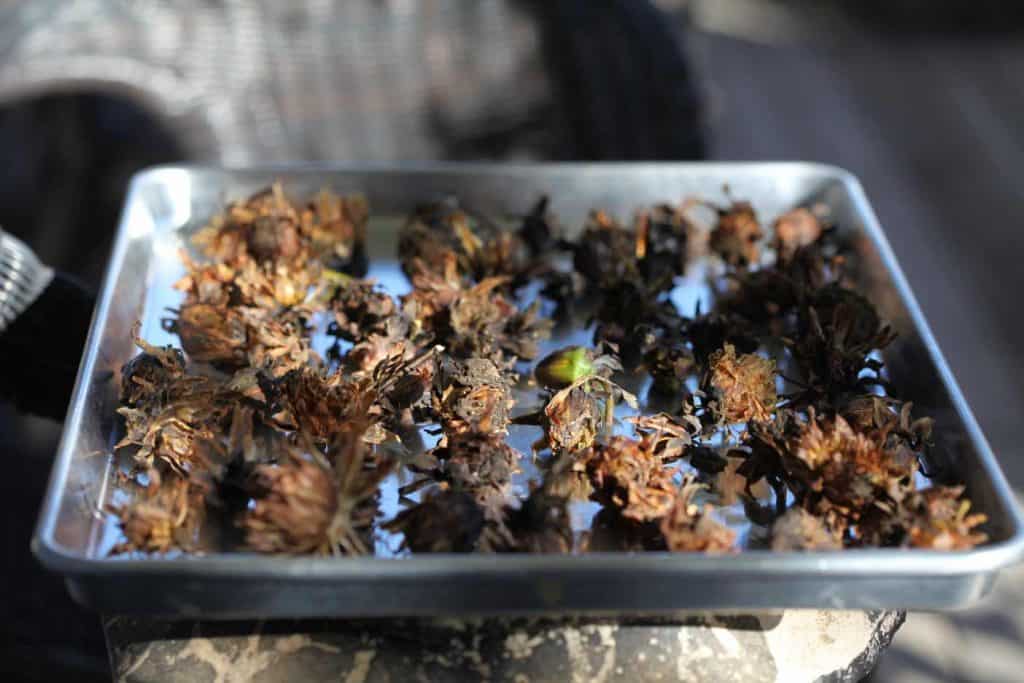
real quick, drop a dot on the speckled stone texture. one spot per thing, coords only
(791, 646)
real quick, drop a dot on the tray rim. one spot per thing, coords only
(889, 562)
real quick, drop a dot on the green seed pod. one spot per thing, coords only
(562, 368)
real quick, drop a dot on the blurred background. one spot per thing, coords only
(921, 99)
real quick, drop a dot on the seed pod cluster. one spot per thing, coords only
(771, 404)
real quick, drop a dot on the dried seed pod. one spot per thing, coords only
(481, 464)
(736, 235)
(667, 436)
(211, 334)
(295, 504)
(361, 310)
(540, 525)
(688, 527)
(481, 249)
(939, 518)
(148, 376)
(628, 477)
(605, 253)
(795, 229)
(472, 396)
(851, 470)
(161, 520)
(744, 386)
(798, 529)
(446, 521)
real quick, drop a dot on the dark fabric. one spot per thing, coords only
(43, 346)
(622, 80)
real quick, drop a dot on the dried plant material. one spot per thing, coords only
(151, 375)
(851, 470)
(795, 229)
(479, 463)
(447, 521)
(320, 403)
(737, 235)
(295, 502)
(798, 529)
(540, 525)
(730, 483)
(161, 520)
(167, 433)
(294, 445)
(315, 502)
(839, 330)
(361, 311)
(630, 478)
(472, 396)
(689, 527)
(669, 366)
(667, 436)
(585, 409)
(940, 518)
(212, 334)
(480, 248)
(744, 385)
(475, 321)
(605, 254)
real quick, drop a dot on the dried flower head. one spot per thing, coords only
(472, 396)
(295, 502)
(737, 234)
(795, 229)
(940, 518)
(744, 385)
(630, 478)
(149, 376)
(161, 519)
(361, 310)
(446, 521)
(212, 334)
(481, 464)
(688, 527)
(798, 529)
(540, 525)
(852, 470)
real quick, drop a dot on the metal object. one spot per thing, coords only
(22, 278)
(165, 204)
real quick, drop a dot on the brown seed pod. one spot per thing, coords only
(939, 518)
(744, 385)
(150, 376)
(161, 519)
(472, 396)
(295, 504)
(795, 229)
(737, 234)
(211, 334)
(851, 470)
(628, 477)
(446, 521)
(798, 529)
(688, 527)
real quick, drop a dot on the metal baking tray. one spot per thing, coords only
(166, 204)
